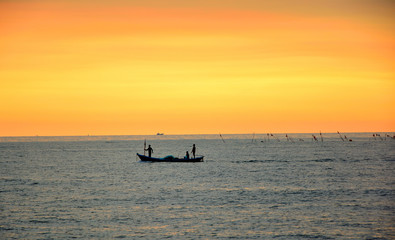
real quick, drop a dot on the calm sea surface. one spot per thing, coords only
(248, 187)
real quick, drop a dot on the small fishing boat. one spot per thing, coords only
(169, 158)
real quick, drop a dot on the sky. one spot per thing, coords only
(196, 67)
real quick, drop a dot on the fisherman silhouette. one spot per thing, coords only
(150, 150)
(187, 155)
(193, 151)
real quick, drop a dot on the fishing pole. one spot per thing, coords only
(145, 146)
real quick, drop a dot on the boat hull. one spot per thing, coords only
(152, 159)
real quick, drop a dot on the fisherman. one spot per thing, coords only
(194, 151)
(187, 155)
(150, 150)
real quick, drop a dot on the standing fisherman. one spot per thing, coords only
(150, 150)
(193, 151)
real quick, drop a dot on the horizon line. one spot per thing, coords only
(185, 134)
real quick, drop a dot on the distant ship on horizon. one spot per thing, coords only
(160, 134)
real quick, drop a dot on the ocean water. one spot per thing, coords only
(248, 187)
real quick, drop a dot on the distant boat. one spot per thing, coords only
(169, 158)
(160, 134)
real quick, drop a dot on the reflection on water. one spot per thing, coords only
(64, 188)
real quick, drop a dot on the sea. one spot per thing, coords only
(250, 186)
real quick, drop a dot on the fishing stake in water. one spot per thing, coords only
(322, 139)
(222, 137)
(340, 136)
(314, 138)
(377, 134)
(289, 138)
(275, 137)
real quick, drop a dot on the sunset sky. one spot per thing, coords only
(121, 67)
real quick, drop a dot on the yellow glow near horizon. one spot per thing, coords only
(132, 67)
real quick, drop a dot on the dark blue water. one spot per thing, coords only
(94, 187)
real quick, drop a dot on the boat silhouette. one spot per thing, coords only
(169, 158)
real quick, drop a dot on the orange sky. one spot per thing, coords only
(188, 67)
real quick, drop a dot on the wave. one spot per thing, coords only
(323, 160)
(258, 161)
